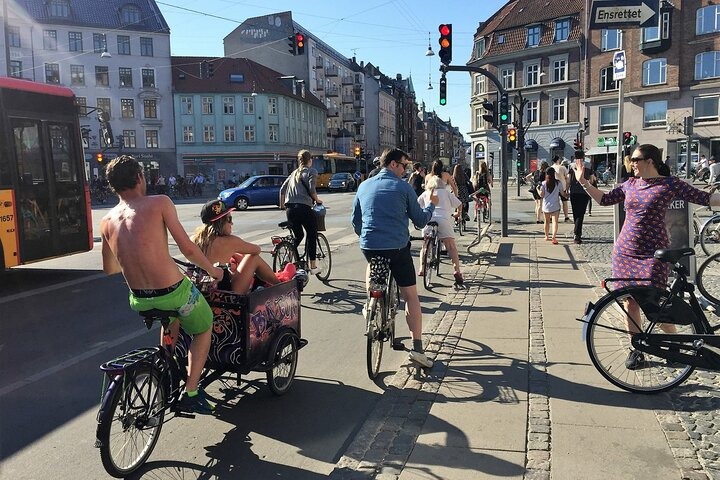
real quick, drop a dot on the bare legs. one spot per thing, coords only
(451, 247)
(248, 267)
(199, 348)
(538, 210)
(413, 312)
(552, 216)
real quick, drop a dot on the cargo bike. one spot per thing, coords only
(257, 332)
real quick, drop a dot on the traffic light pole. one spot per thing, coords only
(503, 135)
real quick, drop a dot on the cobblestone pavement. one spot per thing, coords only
(692, 426)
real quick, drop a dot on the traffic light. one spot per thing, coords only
(577, 144)
(627, 138)
(491, 115)
(511, 137)
(99, 157)
(443, 90)
(357, 152)
(292, 43)
(688, 126)
(300, 43)
(586, 124)
(504, 114)
(445, 43)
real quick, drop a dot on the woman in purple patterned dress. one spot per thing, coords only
(646, 197)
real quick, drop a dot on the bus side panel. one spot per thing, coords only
(8, 229)
(88, 210)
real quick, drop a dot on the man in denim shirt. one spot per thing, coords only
(383, 205)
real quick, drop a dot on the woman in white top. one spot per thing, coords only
(447, 204)
(445, 179)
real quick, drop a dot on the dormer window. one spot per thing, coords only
(562, 30)
(59, 8)
(480, 47)
(533, 36)
(501, 39)
(130, 14)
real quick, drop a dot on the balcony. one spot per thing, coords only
(348, 117)
(360, 137)
(333, 112)
(359, 120)
(319, 62)
(347, 99)
(357, 87)
(333, 132)
(333, 92)
(319, 85)
(358, 104)
(331, 71)
(347, 80)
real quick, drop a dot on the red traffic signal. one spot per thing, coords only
(300, 43)
(445, 41)
(99, 157)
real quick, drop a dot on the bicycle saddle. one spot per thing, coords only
(149, 316)
(432, 224)
(285, 224)
(672, 255)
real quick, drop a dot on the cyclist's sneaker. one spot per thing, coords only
(420, 358)
(302, 276)
(635, 360)
(315, 270)
(197, 404)
(459, 279)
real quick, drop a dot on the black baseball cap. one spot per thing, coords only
(214, 210)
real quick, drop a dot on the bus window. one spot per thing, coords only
(321, 165)
(344, 166)
(64, 168)
(27, 151)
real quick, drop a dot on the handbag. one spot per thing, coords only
(319, 211)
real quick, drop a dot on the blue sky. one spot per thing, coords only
(391, 34)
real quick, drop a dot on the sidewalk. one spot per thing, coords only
(513, 393)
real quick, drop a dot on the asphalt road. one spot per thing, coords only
(62, 318)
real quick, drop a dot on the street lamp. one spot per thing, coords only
(429, 52)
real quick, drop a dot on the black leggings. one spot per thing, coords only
(301, 215)
(579, 204)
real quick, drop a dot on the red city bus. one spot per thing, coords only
(44, 196)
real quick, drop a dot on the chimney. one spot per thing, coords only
(398, 76)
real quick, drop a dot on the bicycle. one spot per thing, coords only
(284, 251)
(668, 357)
(461, 223)
(431, 257)
(708, 236)
(382, 307)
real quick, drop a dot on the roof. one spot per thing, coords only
(87, 13)
(29, 86)
(255, 78)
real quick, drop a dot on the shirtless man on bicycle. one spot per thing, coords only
(135, 242)
(383, 204)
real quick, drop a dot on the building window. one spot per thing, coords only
(77, 74)
(16, 68)
(654, 71)
(250, 133)
(75, 42)
(148, 78)
(229, 105)
(507, 77)
(81, 102)
(479, 47)
(273, 133)
(705, 109)
(610, 39)
(272, 106)
(562, 30)
(104, 105)
(188, 134)
(607, 83)
(151, 139)
(532, 112)
(127, 108)
(50, 39)
(13, 37)
(207, 106)
(558, 107)
(533, 36)
(186, 105)
(58, 8)
(123, 44)
(478, 119)
(655, 113)
(608, 118)
(52, 73)
(129, 139)
(651, 34)
(208, 133)
(532, 75)
(130, 14)
(150, 108)
(125, 77)
(476, 90)
(707, 20)
(99, 42)
(560, 70)
(707, 65)
(229, 133)
(249, 105)
(146, 46)
(102, 78)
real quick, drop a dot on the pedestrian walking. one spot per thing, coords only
(578, 196)
(549, 191)
(561, 175)
(417, 178)
(536, 178)
(462, 191)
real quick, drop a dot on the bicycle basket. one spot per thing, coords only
(379, 271)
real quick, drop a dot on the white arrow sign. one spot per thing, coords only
(623, 14)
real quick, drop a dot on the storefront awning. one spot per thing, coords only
(531, 144)
(557, 142)
(600, 151)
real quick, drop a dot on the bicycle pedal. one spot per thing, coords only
(398, 346)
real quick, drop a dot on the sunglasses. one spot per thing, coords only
(636, 159)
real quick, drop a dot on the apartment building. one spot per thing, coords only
(437, 139)
(534, 48)
(673, 71)
(332, 78)
(115, 56)
(237, 118)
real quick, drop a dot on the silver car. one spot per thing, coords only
(342, 182)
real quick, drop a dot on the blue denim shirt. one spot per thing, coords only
(383, 204)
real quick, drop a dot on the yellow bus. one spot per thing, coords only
(330, 163)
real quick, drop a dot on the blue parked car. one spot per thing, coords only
(257, 190)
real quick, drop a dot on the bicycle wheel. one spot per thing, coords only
(427, 261)
(393, 304)
(283, 254)
(608, 342)
(285, 359)
(708, 280)
(710, 236)
(374, 342)
(130, 425)
(438, 252)
(324, 257)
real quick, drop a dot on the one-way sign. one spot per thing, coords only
(620, 13)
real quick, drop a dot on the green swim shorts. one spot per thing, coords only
(195, 313)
